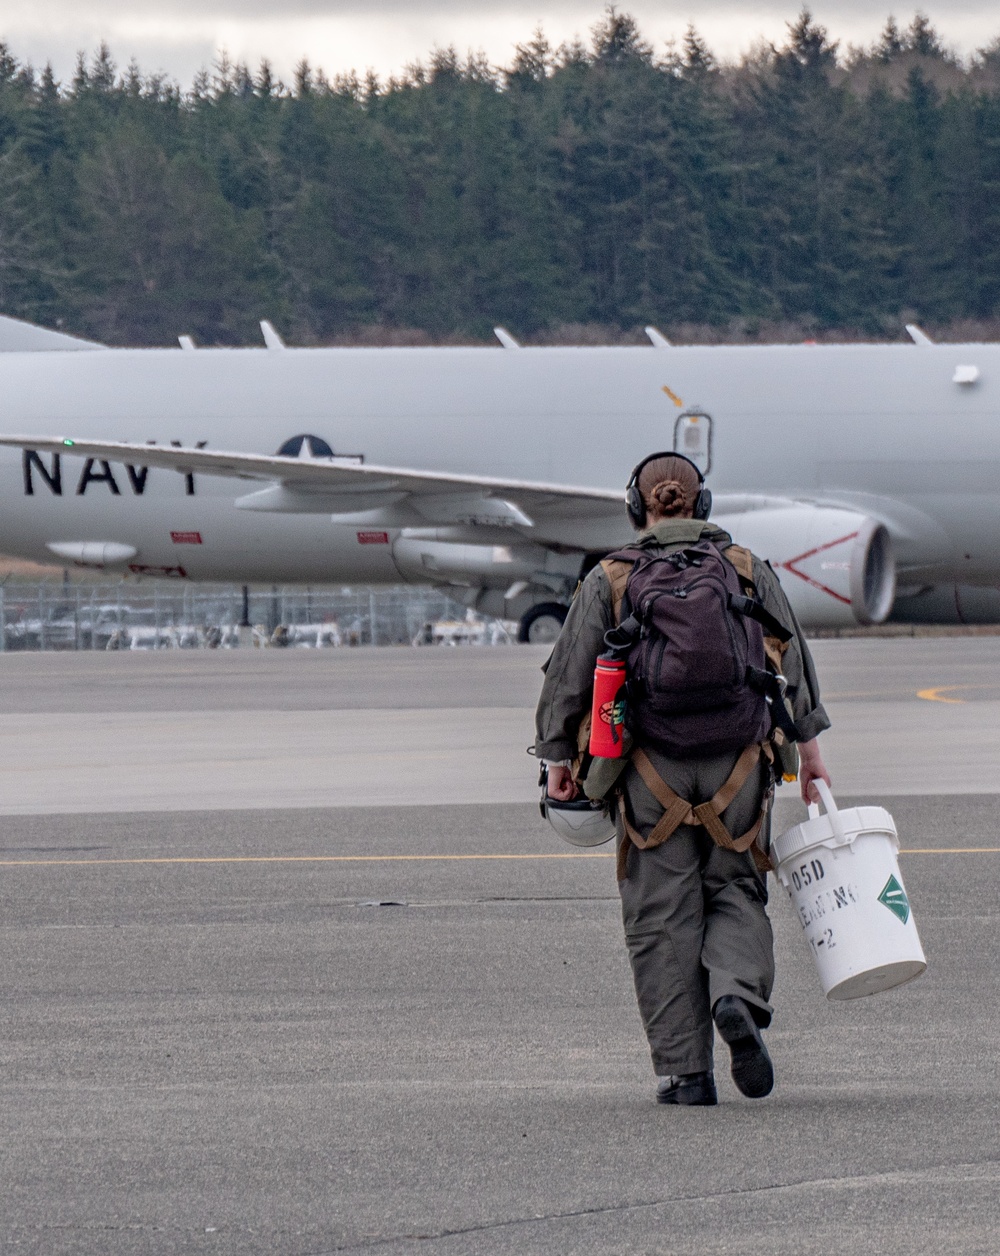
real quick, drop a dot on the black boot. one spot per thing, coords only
(753, 1071)
(690, 1089)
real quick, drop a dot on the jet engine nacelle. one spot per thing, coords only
(426, 560)
(948, 604)
(836, 566)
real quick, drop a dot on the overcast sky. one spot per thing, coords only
(180, 36)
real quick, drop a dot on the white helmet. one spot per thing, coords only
(580, 822)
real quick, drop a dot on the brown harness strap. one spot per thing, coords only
(742, 560)
(678, 811)
(708, 813)
(775, 651)
(720, 835)
(624, 846)
(617, 571)
(763, 862)
(745, 764)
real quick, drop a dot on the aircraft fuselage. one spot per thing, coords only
(881, 428)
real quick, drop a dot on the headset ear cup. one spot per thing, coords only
(635, 506)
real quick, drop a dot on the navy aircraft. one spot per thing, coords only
(869, 475)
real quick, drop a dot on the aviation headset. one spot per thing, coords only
(636, 506)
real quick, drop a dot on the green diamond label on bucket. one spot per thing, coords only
(894, 897)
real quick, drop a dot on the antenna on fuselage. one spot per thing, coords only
(186, 342)
(505, 338)
(657, 339)
(271, 337)
(918, 336)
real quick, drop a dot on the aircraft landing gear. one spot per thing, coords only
(542, 623)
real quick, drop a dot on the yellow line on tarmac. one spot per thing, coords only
(934, 695)
(275, 859)
(268, 859)
(952, 850)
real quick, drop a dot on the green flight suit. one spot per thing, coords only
(695, 915)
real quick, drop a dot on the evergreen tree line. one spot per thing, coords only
(603, 183)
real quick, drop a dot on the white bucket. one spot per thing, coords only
(841, 873)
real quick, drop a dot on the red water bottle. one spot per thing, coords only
(607, 719)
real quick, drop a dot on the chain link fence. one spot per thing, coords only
(158, 616)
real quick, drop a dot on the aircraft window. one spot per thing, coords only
(693, 439)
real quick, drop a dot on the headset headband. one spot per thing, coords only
(635, 504)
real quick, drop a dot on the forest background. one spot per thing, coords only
(572, 196)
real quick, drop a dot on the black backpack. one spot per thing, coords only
(692, 634)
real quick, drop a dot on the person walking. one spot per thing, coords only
(692, 795)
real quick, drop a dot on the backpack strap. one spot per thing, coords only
(775, 649)
(742, 560)
(775, 643)
(678, 811)
(753, 609)
(617, 571)
(582, 759)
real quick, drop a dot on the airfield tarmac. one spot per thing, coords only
(276, 981)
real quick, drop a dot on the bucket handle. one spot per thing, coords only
(833, 815)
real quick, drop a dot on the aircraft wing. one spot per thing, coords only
(17, 336)
(405, 496)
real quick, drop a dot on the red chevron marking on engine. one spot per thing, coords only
(819, 549)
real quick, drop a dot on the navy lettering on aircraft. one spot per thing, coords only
(89, 476)
(137, 478)
(52, 475)
(188, 475)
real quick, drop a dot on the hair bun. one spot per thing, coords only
(668, 498)
(669, 485)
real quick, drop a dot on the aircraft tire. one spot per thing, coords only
(541, 624)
